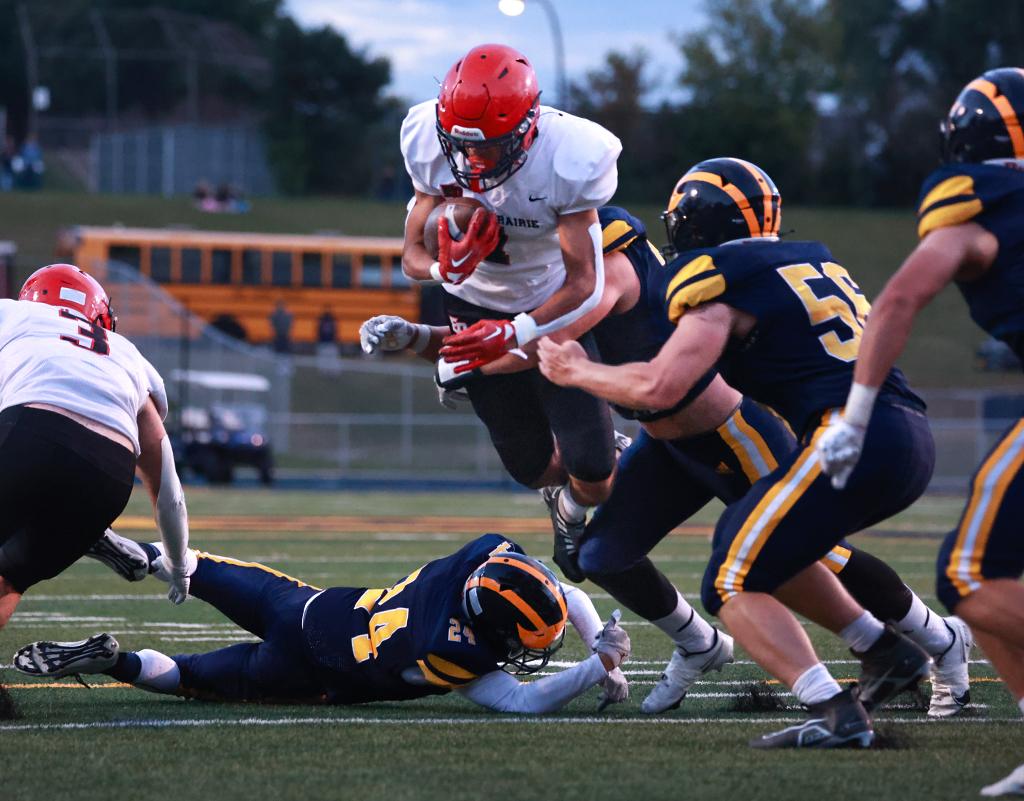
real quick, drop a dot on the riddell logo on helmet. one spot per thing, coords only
(468, 133)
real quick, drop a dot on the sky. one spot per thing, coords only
(423, 38)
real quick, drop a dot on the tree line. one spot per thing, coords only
(839, 100)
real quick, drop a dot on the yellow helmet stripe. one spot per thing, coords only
(1002, 104)
(731, 190)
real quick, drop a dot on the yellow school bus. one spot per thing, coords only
(243, 277)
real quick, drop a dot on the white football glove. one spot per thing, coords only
(612, 641)
(386, 332)
(615, 689)
(177, 593)
(839, 451)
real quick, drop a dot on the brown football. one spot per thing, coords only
(458, 211)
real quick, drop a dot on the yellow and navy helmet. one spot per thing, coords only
(985, 120)
(719, 200)
(517, 606)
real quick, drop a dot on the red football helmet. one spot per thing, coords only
(71, 287)
(487, 115)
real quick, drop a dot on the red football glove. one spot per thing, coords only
(458, 259)
(482, 342)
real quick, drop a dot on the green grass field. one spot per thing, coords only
(112, 742)
(870, 243)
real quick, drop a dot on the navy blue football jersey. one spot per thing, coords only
(368, 643)
(991, 195)
(638, 334)
(810, 314)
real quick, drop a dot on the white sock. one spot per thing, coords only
(815, 685)
(159, 673)
(926, 628)
(1020, 705)
(862, 633)
(688, 630)
(160, 563)
(572, 511)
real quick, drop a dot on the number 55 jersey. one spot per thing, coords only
(54, 355)
(799, 357)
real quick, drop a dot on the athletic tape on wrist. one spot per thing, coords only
(859, 405)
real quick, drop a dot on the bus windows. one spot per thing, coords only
(191, 259)
(160, 265)
(281, 268)
(252, 267)
(220, 266)
(341, 271)
(312, 275)
(371, 274)
(126, 254)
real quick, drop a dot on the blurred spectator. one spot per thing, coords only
(7, 165)
(326, 336)
(28, 165)
(202, 197)
(281, 321)
(225, 199)
(996, 356)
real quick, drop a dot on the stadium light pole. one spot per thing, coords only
(513, 8)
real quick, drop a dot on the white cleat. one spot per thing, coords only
(58, 659)
(1011, 785)
(122, 555)
(682, 671)
(951, 686)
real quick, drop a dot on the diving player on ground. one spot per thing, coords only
(452, 624)
(970, 224)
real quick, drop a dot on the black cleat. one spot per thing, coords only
(839, 722)
(567, 536)
(59, 659)
(893, 664)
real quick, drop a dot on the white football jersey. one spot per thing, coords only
(53, 355)
(569, 168)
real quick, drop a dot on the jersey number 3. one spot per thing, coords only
(849, 306)
(94, 335)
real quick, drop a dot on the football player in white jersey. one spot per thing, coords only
(529, 264)
(80, 410)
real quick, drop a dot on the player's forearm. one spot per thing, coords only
(171, 513)
(636, 385)
(582, 614)
(416, 263)
(437, 335)
(503, 693)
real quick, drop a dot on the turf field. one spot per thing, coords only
(114, 741)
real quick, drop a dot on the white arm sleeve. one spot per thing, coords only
(526, 327)
(503, 693)
(582, 615)
(171, 514)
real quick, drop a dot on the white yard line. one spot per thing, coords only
(164, 723)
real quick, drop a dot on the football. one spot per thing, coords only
(458, 211)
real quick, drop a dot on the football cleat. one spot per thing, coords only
(622, 443)
(125, 557)
(951, 686)
(839, 722)
(57, 659)
(567, 536)
(683, 670)
(893, 664)
(1011, 785)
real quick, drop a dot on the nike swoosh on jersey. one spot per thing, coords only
(539, 197)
